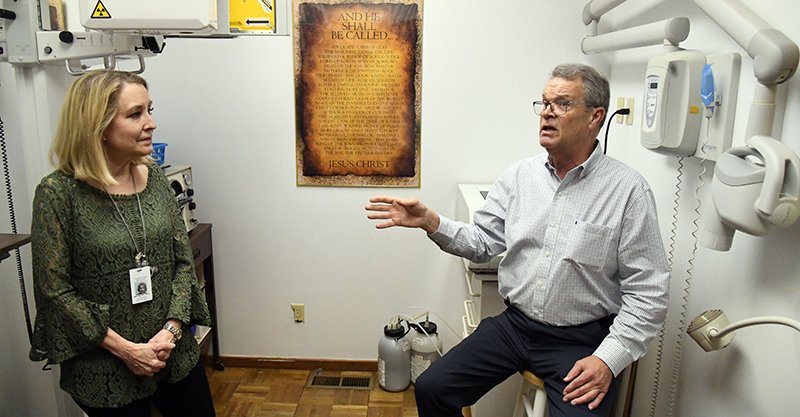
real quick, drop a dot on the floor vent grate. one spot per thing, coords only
(339, 382)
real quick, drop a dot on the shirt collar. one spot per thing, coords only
(594, 159)
(589, 164)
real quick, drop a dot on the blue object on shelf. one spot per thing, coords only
(159, 151)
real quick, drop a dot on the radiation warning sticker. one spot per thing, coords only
(100, 11)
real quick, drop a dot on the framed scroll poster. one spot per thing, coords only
(358, 82)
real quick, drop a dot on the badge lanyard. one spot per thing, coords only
(141, 255)
(140, 277)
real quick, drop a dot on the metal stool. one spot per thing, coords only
(532, 399)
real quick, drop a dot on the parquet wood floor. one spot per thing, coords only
(263, 392)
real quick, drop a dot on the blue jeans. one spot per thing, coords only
(503, 345)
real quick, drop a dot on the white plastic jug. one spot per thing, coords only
(425, 347)
(394, 358)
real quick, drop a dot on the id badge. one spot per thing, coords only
(141, 285)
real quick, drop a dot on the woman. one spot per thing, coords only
(105, 224)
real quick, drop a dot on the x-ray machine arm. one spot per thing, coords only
(775, 57)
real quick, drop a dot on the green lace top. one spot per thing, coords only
(82, 253)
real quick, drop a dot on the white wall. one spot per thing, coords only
(227, 108)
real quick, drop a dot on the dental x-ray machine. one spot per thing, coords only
(117, 28)
(756, 187)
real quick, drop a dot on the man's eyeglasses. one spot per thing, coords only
(558, 107)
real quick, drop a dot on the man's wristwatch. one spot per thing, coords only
(176, 332)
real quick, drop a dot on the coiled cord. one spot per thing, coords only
(676, 364)
(670, 258)
(13, 218)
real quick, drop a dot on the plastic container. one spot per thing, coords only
(394, 358)
(159, 152)
(425, 348)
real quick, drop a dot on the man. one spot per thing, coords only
(584, 273)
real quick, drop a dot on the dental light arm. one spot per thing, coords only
(712, 331)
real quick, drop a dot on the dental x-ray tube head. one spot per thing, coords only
(755, 188)
(672, 116)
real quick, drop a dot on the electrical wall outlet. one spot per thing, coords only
(620, 104)
(629, 116)
(299, 312)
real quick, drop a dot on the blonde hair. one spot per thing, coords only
(88, 109)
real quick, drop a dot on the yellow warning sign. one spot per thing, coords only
(252, 16)
(100, 11)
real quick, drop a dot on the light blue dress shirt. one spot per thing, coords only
(577, 249)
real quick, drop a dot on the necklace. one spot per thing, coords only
(141, 255)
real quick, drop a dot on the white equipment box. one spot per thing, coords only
(150, 16)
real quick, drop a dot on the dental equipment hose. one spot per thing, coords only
(13, 219)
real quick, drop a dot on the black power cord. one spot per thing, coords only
(7, 14)
(622, 111)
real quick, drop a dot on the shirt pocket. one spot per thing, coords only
(588, 244)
